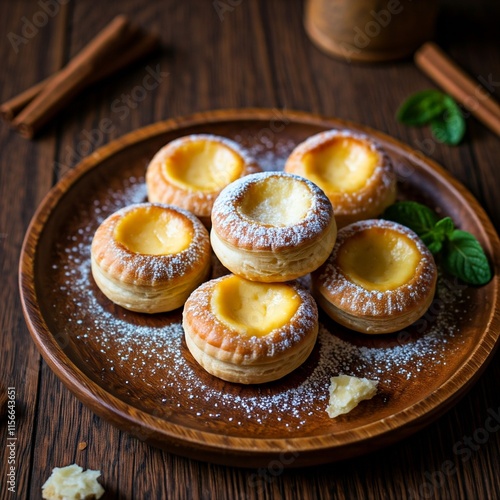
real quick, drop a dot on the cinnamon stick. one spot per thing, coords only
(139, 48)
(9, 109)
(455, 82)
(74, 77)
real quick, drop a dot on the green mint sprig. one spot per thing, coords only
(440, 111)
(461, 254)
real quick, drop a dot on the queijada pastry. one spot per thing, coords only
(380, 277)
(249, 332)
(353, 171)
(272, 227)
(191, 171)
(149, 257)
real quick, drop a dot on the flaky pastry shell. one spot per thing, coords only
(372, 311)
(369, 201)
(149, 283)
(162, 190)
(231, 356)
(266, 253)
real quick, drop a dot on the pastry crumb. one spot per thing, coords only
(346, 392)
(72, 483)
(82, 445)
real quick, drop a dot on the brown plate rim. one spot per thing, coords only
(217, 447)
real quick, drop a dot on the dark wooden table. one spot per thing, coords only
(249, 54)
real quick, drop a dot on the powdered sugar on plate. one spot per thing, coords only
(268, 147)
(138, 359)
(142, 353)
(138, 353)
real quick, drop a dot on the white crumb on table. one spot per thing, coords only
(72, 483)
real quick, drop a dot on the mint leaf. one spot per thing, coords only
(444, 227)
(434, 246)
(437, 109)
(434, 238)
(465, 258)
(462, 255)
(449, 126)
(416, 216)
(422, 107)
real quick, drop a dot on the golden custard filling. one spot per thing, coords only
(276, 201)
(154, 231)
(252, 308)
(379, 259)
(343, 164)
(203, 165)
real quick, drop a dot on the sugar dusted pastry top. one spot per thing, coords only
(261, 211)
(294, 315)
(190, 171)
(119, 254)
(353, 171)
(193, 163)
(251, 308)
(404, 288)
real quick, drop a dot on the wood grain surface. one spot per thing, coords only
(224, 55)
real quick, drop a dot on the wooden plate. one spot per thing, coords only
(135, 371)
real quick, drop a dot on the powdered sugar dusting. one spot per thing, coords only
(234, 227)
(349, 296)
(319, 139)
(159, 352)
(116, 259)
(228, 143)
(204, 323)
(269, 148)
(133, 354)
(141, 362)
(375, 191)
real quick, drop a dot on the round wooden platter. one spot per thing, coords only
(135, 371)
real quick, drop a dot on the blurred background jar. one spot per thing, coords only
(370, 30)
